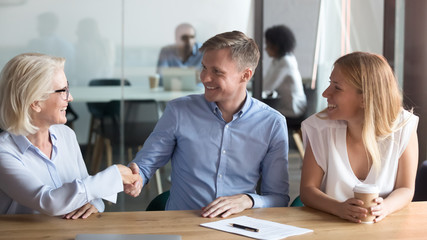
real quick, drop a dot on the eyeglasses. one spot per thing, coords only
(187, 37)
(65, 92)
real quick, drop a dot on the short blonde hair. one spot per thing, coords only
(244, 50)
(25, 79)
(373, 77)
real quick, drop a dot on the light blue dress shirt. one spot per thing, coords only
(30, 182)
(212, 158)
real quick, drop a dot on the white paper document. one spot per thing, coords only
(266, 229)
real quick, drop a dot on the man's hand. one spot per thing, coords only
(225, 206)
(134, 189)
(83, 212)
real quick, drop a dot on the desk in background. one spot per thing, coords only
(84, 94)
(409, 223)
(109, 93)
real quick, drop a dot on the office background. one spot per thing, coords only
(122, 38)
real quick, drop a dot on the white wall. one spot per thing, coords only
(148, 25)
(301, 16)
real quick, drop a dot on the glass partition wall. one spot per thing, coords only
(116, 43)
(325, 30)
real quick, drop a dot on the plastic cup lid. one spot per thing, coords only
(365, 188)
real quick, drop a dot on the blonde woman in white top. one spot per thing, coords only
(364, 135)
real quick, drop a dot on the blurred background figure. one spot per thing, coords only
(283, 75)
(49, 42)
(94, 55)
(184, 53)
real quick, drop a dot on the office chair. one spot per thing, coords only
(140, 118)
(72, 116)
(294, 130)
(159, 202)
(294, 127)
(420, 183)
(100, 112)
(297, 202)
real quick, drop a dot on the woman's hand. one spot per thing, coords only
(135, 188)
(352, 210)
(84, 212)
(380, 210)
(128, 177)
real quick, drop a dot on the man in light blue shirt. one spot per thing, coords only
(220, 143)
(184, 53)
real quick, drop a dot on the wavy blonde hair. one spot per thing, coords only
(373, 77)
(25, 79)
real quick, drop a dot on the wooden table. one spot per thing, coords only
(409, 223)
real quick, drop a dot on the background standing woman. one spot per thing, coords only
(283, 75)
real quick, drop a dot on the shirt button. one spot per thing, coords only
(220, 176)
(223, 151)
(226, 126)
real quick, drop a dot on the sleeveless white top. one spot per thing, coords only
(328, 141)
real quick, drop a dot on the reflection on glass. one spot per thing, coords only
(49, 42)
(183, 53)
(94, 55)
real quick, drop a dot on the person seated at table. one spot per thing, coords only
(221, 142)
(283, 75)
(41, 166)
(184, 53)
(363, 136)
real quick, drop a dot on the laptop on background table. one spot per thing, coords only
(179, 79)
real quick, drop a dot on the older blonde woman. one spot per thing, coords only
(364, 135)
(41, 166)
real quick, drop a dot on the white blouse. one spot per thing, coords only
(284, 77)
(327, 139)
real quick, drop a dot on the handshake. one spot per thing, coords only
(132, 181)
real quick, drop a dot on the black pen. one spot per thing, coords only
(244, 227)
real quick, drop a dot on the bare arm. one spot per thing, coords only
(312, 196)
(405, 182)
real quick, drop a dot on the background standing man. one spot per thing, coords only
(184, 53)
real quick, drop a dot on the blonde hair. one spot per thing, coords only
(373, 77)
(25, 79)
(244, 50)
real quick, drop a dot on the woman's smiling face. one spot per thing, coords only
(345, 102)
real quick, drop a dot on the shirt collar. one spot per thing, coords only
(248, 102)
(195, 49)
(53, 136)
(23, 143)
